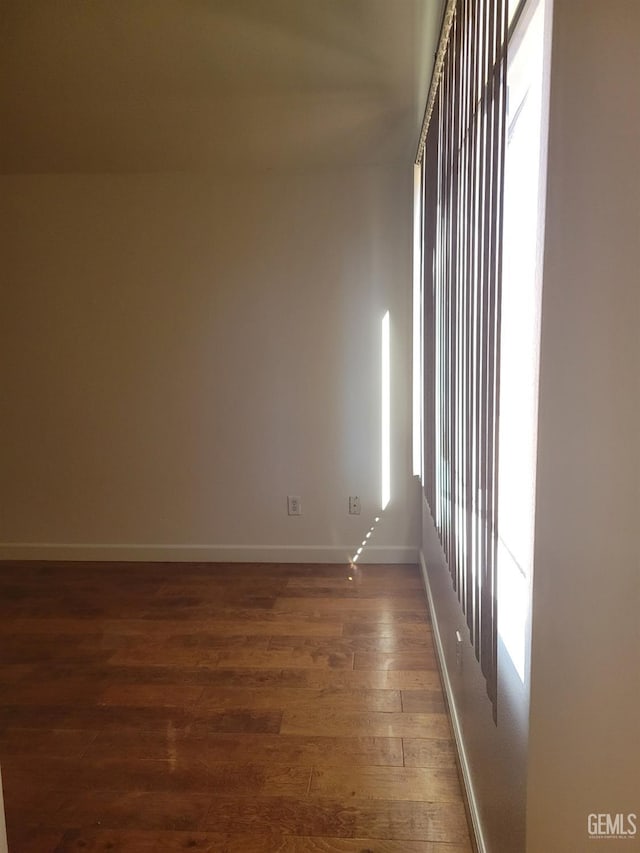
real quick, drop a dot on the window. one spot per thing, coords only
(520, 324)
(481, 221)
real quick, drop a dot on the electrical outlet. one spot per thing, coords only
(354, 505)
(294, 505)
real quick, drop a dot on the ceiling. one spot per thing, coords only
(157, 85)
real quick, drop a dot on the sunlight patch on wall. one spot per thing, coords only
(385, 413)
(363, 544)
(417, 433)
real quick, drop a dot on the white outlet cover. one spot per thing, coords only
(294, 505)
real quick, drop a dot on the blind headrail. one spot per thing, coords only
(445, 30)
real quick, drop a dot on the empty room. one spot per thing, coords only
(319, 417)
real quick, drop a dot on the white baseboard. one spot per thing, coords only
(472, 804)
(207, 553)
(4, 848)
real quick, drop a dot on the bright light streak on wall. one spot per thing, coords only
(353, 560)
(417, 323)
(386, 413)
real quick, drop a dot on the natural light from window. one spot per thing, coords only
(525, 168)
(385, 426)
(417, 434)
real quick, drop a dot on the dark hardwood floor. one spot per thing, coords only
(228, 708)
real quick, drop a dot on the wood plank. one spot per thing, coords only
(425, 701)
(429, 752)
(186, 649)
(96, 718)
(270, 624)
(211, 676)
(283, 658)
(384, 627)
(393, 679)
(349, 645)
(298, 844)
(292, 750)
(163, 841)
(301, 698)
(386, 783)
(220, 589)
(205, 675)
(197, 609)
(204, 723)
(361, 580)
(242, 779)
(89, 718)
(157, 695)
(14, 673)
(157, 810)
(379, 604)
(382, 819)
(29, 817)
(32, 840)
(30, 649)
(45, 742)
(392, 644)
(53, 691)
(188, 639)
(151, 718)
(346, 724)
(425, 659)
(156, 654)
(351, 591)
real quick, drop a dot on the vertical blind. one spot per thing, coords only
(462, 199)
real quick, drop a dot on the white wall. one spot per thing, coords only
(585, 681)
(179, 352)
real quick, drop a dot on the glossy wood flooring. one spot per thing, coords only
(229, 708)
